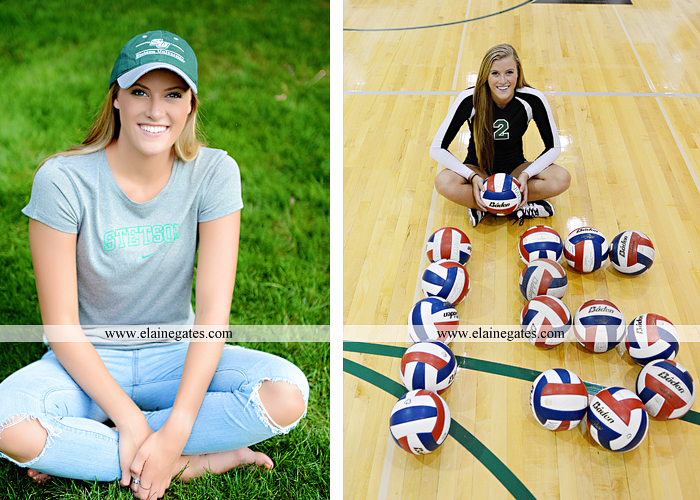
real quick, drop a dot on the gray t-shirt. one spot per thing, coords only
(135, 261)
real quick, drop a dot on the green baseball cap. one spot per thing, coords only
(154, 50)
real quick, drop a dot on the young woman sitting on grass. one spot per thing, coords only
(114, 227)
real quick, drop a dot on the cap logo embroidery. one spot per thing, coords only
(160, 43)
(160, 46)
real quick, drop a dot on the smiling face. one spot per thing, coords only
(153, 112)
(503, 78)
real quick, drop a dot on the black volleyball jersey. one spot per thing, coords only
(509, 126)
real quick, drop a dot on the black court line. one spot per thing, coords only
(443, 24)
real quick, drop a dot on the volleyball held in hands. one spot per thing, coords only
(502, 194)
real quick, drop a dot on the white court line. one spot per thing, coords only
(389, 454)
(634, 49)
(431, 214)
(386, 469)
(661, 106)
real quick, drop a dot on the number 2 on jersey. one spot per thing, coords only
(501, 132)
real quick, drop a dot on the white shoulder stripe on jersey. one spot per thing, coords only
(528, 108)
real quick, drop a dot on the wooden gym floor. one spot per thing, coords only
(623, 82)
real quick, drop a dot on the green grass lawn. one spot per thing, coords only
(302, 457)
(265, 94)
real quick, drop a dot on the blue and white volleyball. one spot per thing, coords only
(666, 389)
(446, 279)
(543, 277)
(431, 319)
(651, 336)
(449, 243)
(558, 399)
(430, 365)
(586, 249)
(547, 321)
(599, 325)
(420, 421)
(540, 242)
(632, 252)
(617, 419)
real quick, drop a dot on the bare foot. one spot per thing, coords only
(218, 463)
(37, 476)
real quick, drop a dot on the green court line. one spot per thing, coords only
(510, 371)
(500, 471)
(442, 24)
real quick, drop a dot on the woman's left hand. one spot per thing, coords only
(156, 463)
(522, 180)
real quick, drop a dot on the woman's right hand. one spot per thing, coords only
(477, 189)
(131, 436)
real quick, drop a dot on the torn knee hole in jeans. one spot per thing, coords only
(12, 421)
(264, 415)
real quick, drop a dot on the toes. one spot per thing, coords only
(37, 476)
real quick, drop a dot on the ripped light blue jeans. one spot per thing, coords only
(80, 446)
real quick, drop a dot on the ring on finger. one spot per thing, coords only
(135, 480)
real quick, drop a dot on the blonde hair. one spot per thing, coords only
(483, 103)
(107, 125)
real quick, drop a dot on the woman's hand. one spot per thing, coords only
(131, 436)
(522, 180)
(478, 188)
(156, 462)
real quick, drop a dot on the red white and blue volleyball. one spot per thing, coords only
(430, 319)
(558, 399)
(446, 279)
(617, 419)
(543, 277)
(599, 325)
(586, 249)
(449, 243)
(651, 336)
(501, 194)
(430, 365)
(631, 252)
(540, 242)
(666, 389)
(546, 320)
(420, 421)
